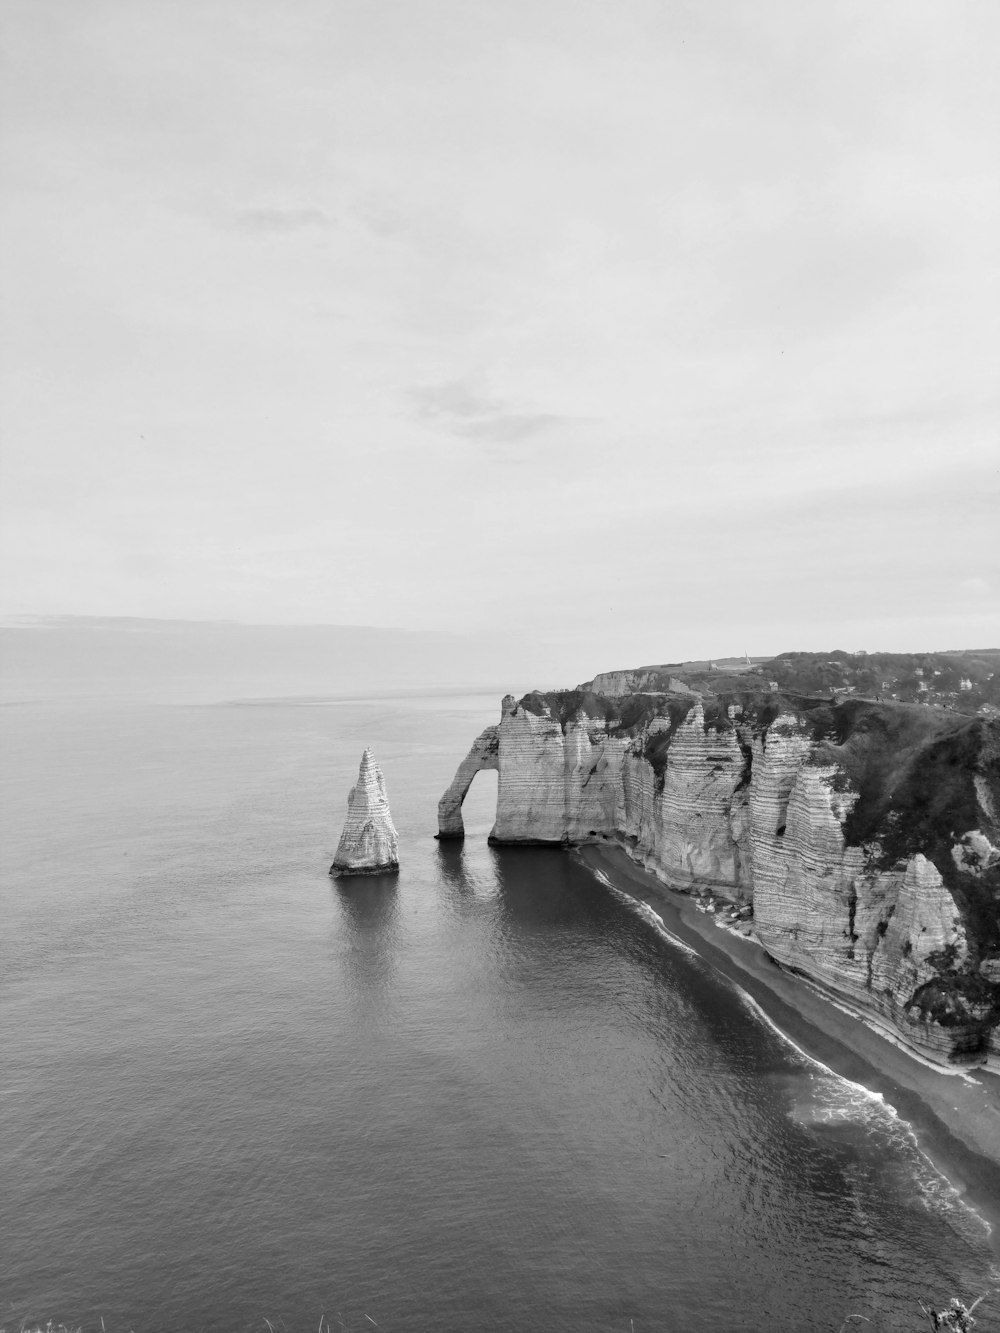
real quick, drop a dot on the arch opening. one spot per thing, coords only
(479, 808)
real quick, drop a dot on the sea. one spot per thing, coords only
(490, 1092)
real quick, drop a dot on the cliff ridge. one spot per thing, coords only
(863, 834)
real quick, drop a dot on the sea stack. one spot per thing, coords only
(369, 844)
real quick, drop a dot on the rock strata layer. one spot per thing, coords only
(863, 835)
(369, 844)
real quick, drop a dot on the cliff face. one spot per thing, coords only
(864, 835)
(645, 680)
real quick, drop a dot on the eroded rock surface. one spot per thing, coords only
(647, 680)
(863, 834)
(369, 844)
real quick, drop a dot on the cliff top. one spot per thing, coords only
(964, 682)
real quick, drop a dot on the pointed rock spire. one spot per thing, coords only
(369, 844)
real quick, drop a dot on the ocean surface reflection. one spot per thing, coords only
(486, 1093)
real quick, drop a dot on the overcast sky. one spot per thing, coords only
(646, 330)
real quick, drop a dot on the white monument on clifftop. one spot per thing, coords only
(369, 844)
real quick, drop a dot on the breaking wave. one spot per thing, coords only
(835, 1102)
(644, 910)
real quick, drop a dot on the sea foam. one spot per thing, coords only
(839, 1101)
(644, 910)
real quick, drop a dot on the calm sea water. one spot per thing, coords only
(489, 1093)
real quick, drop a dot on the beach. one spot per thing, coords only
(955, 1115)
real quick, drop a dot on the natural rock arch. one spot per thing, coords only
(485, 753)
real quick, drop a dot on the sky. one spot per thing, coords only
(604, 333)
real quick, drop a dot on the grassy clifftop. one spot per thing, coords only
(965, 682)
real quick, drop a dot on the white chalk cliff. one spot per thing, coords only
(863, 835)
(369, 844)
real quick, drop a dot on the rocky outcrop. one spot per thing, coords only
(369, 844)
(863, 835)
(644, 680)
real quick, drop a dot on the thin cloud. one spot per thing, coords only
(510, 428)
(462, 411)
(282, 219)
(976, 587)
(929, 415)
(455, 401)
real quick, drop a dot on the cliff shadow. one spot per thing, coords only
(542, 885)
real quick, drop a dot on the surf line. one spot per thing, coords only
(936, 1177)
(644, 910)
(873, 1098)
(843, 1007)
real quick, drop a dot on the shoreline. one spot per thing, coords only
(955, 1115)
